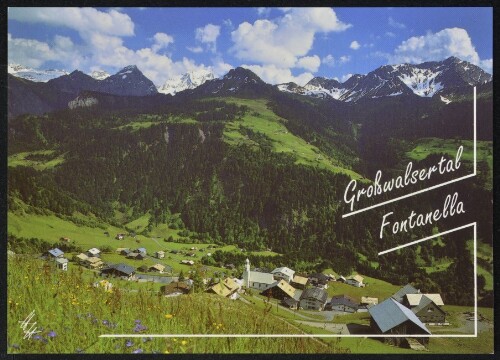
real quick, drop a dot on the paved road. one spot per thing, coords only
(156, 278)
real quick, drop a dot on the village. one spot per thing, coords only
(407, 312)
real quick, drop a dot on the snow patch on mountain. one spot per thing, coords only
(99, 74)
(36, 75)
(189, 80)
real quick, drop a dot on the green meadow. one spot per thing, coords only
(262, 120)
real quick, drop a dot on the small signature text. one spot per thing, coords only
(28, 326)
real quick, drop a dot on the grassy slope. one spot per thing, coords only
(374, 288)
(271, 125)
(20, 159)
(67, 304)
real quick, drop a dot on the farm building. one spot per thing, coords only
(299, 282)
(401, 293)
(355, 280)
(121, 250)
(65, 239)
(120, 236)
(314, 299)
(290, 303)
(226, 288)
(119, 270)
(142, 251)
(392, 318)
(320, 280)
(283, 273)
(135, 256)
(160, 254)
(157, 267)
(187, 262)
(55, 253)
(427, 307)
(365, 300)
(343, 303)
(95, 252)
(257, 280)
(93, 262)
(81, 258)
(175, 288)
(280, 290)
(62, 264)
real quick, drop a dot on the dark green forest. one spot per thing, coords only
(258, 198)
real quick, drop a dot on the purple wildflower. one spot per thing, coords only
(138, 351)
(37, 337)
(139, 328)
(129, 343)
(138, 321)
(52, 334)
(105, 322)
(146, 339)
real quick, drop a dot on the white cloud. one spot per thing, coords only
(80, 19)
(438, 46)
(102, 43)
(393, 23)
(390, 34)
(263, 11)
(34, 53)
(345, 77)
(328, 60)
(487, 65)
(195, 49)
(282, 41)
(161, 41)
(228, 23)
(355, 45)
(310, 63)
(344, 59)
(276, 75)
(208, 35)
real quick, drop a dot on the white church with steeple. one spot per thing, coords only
(257, 280)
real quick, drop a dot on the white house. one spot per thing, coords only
(62, 264)
(94, 252)
(257, 280)
(283, 273)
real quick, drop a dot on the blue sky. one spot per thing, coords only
(279, 44)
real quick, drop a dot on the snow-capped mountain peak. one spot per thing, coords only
(424, 80)
(34, 74)
(99, 74)
(189, 80)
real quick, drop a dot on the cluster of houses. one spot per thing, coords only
(407, 312)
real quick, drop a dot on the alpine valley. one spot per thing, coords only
(256, 170)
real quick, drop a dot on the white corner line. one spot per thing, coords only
(426, 238)
(435, 186)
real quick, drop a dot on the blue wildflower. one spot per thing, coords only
(138, 321)
(105, 322)
(129, 343)
(37, 337)
(139, 328)
(52, 334)
(138, 351)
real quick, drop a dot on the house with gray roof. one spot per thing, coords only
(427, 307)
(313, 299)
(119, 270)
(407, 289)
(56, 253)
(343, 303)
(392, 318)
(283, 273)
(62, 264)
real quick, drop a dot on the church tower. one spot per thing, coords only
(246, 274)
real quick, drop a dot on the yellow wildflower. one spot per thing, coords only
(169, 316)
(184, 342)
(166, 352)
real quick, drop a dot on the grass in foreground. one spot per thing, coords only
(71, 315)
